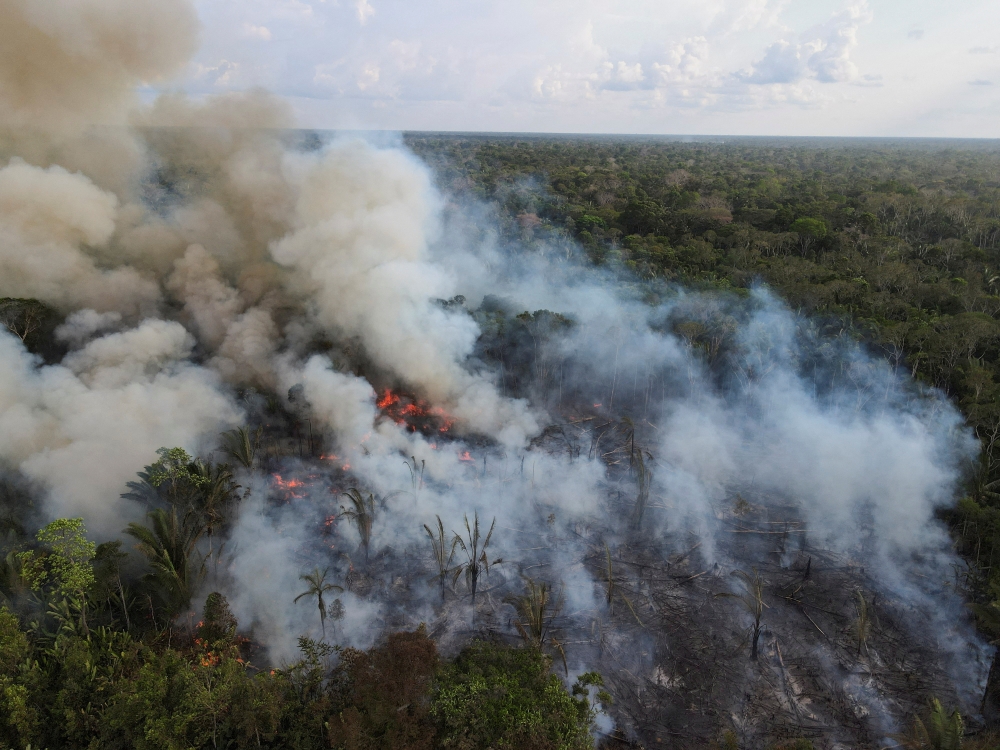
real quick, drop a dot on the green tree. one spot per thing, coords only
(242, 445)
(169, 544)
(63, 567)
(809, 231)
(493, 697)
(19, 708)
(537, 608)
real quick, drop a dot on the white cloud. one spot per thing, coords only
(222, 74)
(368, 76)
(365, 11)
(782, 63)
(629, 73)
(824, 53)
(612, 65)
(256, 32)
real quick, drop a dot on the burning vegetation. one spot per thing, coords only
(414, 414)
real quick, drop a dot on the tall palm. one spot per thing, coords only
(169, 544)
(363, 512)
(477, 563)
(537, 607)
(211, 502)
(362, 515)
(242, 445)
(442, 556)
(317, 587)
(416, 475)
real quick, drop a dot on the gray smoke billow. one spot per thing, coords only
(194, 258)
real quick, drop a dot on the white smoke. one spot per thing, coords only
(80, 430)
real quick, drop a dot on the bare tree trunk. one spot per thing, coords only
(991, 697)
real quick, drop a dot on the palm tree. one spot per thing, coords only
(941, 731)
(752, 600)
(536, 608)
(242, 445)
(477, 563)
(442, 556)
(317, 587)
(169, 543)
(362, 514)
(416, 475)
(216, 490)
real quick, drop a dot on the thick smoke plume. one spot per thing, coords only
(200, 264)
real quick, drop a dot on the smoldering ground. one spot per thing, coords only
(628, 443)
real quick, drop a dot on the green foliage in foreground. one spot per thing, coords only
(104, 689)
(507, 699)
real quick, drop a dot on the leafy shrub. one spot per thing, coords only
(497, 698)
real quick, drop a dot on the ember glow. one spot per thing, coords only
(293, 488)
(413, 413)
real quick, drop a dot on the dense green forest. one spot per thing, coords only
(893, 243)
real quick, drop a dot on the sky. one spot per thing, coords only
(736, 67)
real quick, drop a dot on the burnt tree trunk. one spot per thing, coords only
(991, 698)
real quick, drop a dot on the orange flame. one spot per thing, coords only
(414, 414)
(289, 486)
(465, 457)
(388, 399)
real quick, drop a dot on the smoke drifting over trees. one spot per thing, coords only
(213, 275)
